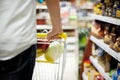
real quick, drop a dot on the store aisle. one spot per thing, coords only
(71, 67)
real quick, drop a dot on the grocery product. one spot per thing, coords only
(54, 51)
(97, 29)
(116, 46)
(116, 75)
(107, 34)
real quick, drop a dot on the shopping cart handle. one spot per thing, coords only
(44, 35)
(63, 35)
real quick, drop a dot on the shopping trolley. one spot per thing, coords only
(52, 67)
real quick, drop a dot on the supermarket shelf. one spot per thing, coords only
(99, 68)
(84, 76)
(106, 19)
(86, 8)
(41, 7)
(71, 40)
(86, 18)
(71, 44)
(106, 47)
(49, 27)
(71, 47)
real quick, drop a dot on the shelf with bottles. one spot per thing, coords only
(99, 68)
(90, 72)
(83, 15)
(107, 36)
(106, 64)
(109, 11)
(106, 47)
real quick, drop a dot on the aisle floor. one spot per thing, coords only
(71, 68)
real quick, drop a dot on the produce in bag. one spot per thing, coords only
(54, 51)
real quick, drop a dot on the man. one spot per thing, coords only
(18, 36)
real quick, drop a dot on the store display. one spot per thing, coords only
(109, 8)
(90, 72)
(108, 32)
(111, 39)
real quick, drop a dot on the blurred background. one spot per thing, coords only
(93, 37)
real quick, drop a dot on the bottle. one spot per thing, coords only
(98, 76)
(103, 7)
(118, 9)
(116, 75)
(116, 45)
(114, 9)
(107, 34)
(112, 37)
(107, 10)
(110, 9)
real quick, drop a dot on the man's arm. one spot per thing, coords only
(54, 11)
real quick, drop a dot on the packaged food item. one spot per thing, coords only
(114, 9)
(118, 9)
(113, 37)
(87, 66)
(97, 29)
(106, 38)
(98, 8)
(98, 76)
(54, 51)
(116, 46)
(116, 75)
(107, 62)
(116, 40)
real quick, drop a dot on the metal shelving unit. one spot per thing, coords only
(99, 68)
(106, 47)
(49, 27)
(107, 19)
(41, 7)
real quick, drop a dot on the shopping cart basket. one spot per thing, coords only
(50, 66)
